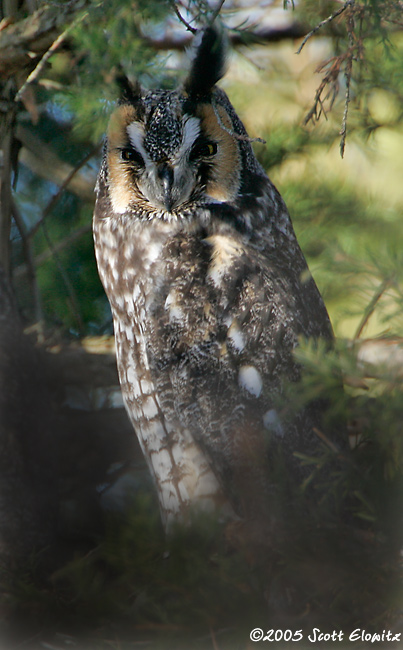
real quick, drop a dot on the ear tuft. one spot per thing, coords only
(208, 65)
(130, 92)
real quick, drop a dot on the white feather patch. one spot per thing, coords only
(146, 387)
(135, 131)
(225, 250)
(272, 422)
(191, 129)
(162, 464)
(250, 379)
(236, 337)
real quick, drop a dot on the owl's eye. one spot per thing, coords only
(203, 149)
(132, 156)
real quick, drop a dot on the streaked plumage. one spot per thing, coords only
(209, 292)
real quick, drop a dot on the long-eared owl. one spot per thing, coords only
(209, 292)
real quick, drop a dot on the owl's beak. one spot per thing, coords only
(166, 176)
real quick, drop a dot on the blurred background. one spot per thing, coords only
(346, 211)
(321, 81)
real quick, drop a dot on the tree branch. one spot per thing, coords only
(30, 265)
(22, 43)
(324, 22)
(216, 11)
(179, 42)
(175, 7)
(56, 248)
(42, 160)
(61, 189)
(347, 76)
(384, 286)
(5, 188)
(66, 280)
(35, 74)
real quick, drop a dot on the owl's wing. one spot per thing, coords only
(223, 326)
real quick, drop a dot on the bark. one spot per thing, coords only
(23, 43)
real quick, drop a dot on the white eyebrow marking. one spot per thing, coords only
(135, 131)
(191, 129)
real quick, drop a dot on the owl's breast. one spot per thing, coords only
(205, 326)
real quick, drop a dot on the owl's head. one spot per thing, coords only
(169, 150)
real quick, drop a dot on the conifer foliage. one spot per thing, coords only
(332, 566)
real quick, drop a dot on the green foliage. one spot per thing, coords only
(339, 557)
(109, 40)
(71, 294)
(371, 406)
(380, 88)
(352, 247)
(338, 223)
(281, 143)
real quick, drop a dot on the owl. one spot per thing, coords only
(209, 292)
